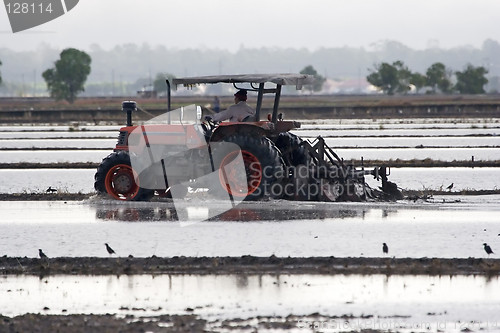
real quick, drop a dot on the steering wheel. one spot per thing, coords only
(209, 125)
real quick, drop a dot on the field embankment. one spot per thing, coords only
(249, 265)
(98, 110)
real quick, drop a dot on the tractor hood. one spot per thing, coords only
(297, 80)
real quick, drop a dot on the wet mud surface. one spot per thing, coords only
(100, 323)
(44, 196)
(248, 265)
(165, 323)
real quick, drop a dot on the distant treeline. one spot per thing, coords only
(124, 69)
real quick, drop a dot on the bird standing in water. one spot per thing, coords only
(450, 187)
(109, 249)
(385, 248)
(488, 249)
(51, 190)
(42, 255)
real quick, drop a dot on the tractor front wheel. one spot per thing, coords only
(115, 177)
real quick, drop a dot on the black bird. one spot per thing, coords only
(385, 248)
(488, 249)
(51, 190)
(109, 249)
(450, 187)
(42, 255)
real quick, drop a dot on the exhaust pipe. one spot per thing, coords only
(129, 107)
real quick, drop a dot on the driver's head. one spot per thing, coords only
(241, 95)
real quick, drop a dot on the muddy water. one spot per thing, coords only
(345, 303)
(449, 227)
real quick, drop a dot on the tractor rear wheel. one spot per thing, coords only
(292, 150)
(115, 177)
(263, 167)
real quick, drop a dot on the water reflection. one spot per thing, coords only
(137, 214)
(244, 213)
(429, 299)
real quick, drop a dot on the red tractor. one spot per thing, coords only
(176, 151)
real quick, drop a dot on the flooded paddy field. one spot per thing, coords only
(439, 140)
(298, 303)
(452, 141)
(448, 227)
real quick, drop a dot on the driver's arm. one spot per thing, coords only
(223, 115)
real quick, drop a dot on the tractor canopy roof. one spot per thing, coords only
(297, 80)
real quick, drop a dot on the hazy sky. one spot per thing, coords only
(230, 24)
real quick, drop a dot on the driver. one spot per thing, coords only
(239, 111)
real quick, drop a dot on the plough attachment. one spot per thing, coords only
(326, 177)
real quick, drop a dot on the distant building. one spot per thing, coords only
(147, 91)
